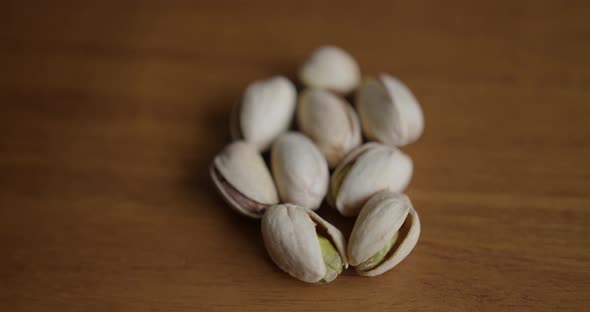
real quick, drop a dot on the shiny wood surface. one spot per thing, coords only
(111, 111)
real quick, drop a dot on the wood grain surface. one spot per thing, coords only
(111, 112)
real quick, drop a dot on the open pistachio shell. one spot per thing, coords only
(330, 68)
(366, 170)
(243, 179)
(264, 111)
(300, 170)
(385, 232)
(302, 244)
(330, 122)
(388, 111)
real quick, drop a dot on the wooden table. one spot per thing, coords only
(112, 111)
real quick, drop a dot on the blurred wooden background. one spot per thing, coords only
(111, 111)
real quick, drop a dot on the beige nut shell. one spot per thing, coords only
(264, 112)
(331, 68)
(330, 121)
(381, 217)
(300, 170)
(372, 167)
(242, 167)
(389, 111)
(290, 237)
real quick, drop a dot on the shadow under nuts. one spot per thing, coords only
(366, 170)
(385, 232)
(243, 179)
(303, 244)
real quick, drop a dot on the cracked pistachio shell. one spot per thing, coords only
(330, 122)
(388, 111)
(264, 111)
(387, 227)
(300, 170)
(331, 68)
(366, 170)
(243, 179)
(294, 238)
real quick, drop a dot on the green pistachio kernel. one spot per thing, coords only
(332, 259)
(377, 258)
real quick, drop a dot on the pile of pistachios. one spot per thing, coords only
(325, 160)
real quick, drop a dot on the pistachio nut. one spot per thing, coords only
(264, 111)
(366, 170)
(385, 232)
(331, 68)
(330, 122)
(300, 170)
(303, 244)
(243, 179)
(389, 112)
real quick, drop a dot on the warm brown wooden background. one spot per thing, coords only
(112, 111)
